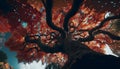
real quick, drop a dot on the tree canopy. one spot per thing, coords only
(41, 31)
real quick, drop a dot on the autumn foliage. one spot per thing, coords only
(30, 17)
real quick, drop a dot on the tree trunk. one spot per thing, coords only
(75, 50)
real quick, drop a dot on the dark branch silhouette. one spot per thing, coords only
(43, 3)
(93, 31)
(88, 38)
(43, 47)
(48, 6)
(112, 36)
(75, 7)
(104, 21)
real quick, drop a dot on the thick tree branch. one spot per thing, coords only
(104, 21)
(71, 13)
(89, 38)
(49, 4)
(112, 36)
(43, 47)
(92, 33)
(43, 3)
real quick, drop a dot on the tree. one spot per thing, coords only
(3, 56)
(53, 66)
(34, 34)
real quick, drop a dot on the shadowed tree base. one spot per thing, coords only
(92, 61)
(82, 57)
